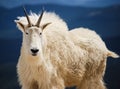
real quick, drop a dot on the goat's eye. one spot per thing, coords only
(26, 33)
(40, 33)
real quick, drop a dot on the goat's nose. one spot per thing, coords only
(34, 50)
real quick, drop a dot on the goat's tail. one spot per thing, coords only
(112, 54)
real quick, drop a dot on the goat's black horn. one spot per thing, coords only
(28, 19)
(40, 18)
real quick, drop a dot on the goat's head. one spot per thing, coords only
(32, 34)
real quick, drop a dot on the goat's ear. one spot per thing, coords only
(20, 25)
(45, 25)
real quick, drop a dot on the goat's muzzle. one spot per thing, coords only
(34, 51)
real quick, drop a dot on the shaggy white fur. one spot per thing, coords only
(68, 58)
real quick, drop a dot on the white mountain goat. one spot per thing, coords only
(54, 58)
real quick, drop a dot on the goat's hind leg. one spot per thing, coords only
(95, 81)
(92, 84)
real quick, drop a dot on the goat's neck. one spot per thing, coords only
(37, 61)
(29, 59)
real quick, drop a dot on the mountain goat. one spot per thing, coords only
(52, 57)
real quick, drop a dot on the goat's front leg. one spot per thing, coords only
(32, 85)
(57, 83)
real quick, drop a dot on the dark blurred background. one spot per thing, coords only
(103, 16)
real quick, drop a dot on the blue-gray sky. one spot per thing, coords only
(93, 3)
